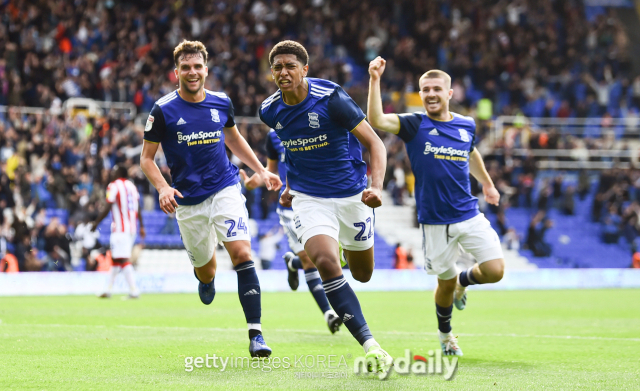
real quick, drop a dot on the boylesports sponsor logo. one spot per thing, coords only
(444, 150)
(198, 136)
(306, 144)
(302, 142)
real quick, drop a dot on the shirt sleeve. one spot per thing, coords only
(344, 111)
(112, 193)
(155, 127)
(473, 138)
(264, 118)
(272, 153)
(231, 120)
(409, 125)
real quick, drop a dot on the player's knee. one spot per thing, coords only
(446, 290)
(205, 275)
(446, 287)
(326, 264)
(362, 274)
(497, 274)
(493, 271)
(241, 256)
(205, 278)
(305, 260)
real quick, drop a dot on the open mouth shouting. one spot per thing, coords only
(284, 83)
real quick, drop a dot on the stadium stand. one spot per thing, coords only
(523, 59)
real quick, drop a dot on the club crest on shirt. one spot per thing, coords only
(464, 135)
(314, 121)
(149, 124)
(215, 116)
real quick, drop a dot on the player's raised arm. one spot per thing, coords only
(478, 170)
(148, 165)
(376, 116)
(378, 160)
(239, 146)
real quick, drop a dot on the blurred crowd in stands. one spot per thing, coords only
(523, 57)
(617, 206)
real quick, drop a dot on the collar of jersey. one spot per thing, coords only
(193, 103)
(437, 120)
(305, 98)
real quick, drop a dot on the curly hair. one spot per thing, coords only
(290, 47)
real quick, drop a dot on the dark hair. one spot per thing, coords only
(189, 47)
(290, 47)
(120, 171)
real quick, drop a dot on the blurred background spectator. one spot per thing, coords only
(535, 236)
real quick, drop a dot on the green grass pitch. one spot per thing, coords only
(570, 339)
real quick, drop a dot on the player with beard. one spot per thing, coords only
(194, 125)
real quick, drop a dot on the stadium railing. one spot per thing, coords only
(622, 135)
(95, 107)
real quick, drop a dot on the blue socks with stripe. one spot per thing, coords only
(444, 318)
(315, 287)
(344, 301)
(249, 291)
(466, 277)
(296, 264)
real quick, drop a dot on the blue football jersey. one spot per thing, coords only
(192, 138)
(275, 151)
(323, 157)
(439, 155)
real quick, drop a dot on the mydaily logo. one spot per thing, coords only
(434, 364)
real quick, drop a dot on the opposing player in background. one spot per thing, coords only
(321, 129)
(298, 259)
(441, 148)
(122, 201)
(193, 125)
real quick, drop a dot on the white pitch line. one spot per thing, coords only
(555, 337)
(123, 326)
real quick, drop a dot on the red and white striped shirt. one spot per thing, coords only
(123, 197)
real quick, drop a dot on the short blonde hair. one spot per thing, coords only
(189, 47)
(437, 74)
